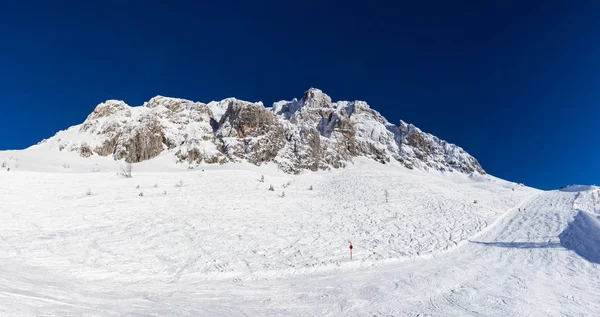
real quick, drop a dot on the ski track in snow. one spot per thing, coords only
(223, 245)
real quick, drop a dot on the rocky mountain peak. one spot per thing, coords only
(315, 98)
(173, 104)
(308, 134)
(110, 108)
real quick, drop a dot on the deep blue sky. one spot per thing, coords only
(515, 83)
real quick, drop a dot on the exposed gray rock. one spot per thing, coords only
(144, 141)
(312, 133)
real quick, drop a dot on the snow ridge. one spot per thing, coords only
(313, 133)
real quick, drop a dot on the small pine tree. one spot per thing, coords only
(282, 194)
(271, 188)
(138, 186)
(310, 188)
(165, 192)
(179, 184)
(387, 195)
(262, 178)
(89, 192)
(141, 194)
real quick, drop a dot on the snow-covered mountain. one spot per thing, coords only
(313, 133)
(76, 238)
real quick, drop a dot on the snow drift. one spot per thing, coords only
(583, 236)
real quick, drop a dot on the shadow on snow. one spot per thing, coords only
(521, 245)
(583, 236)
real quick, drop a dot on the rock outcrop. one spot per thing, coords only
(313, 133)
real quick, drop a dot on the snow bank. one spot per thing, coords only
(583, 236)
(577, 188)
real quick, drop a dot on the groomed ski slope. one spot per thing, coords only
(221, 244)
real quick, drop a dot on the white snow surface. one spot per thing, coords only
(76, 239)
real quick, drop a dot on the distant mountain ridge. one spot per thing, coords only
(312, 133)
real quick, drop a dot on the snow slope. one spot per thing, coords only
(218, 243)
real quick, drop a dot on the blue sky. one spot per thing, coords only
(512, 82)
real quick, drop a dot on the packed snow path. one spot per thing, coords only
(93, 257)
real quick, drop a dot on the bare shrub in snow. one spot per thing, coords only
(89, 192)
(262, 178)
(126, 170)
(387, 195)
(138, 187)
(141, 194)
(96, 169)
(310, 188)
(66, 166)
(165, 192)
(474, 201)
(282, 194)
(179, 184)
(3, 164)
(271, 188)
(155, 185)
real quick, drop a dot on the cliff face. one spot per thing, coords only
(309, 134)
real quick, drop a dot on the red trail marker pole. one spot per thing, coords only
(351, 247)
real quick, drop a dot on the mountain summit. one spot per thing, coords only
(313, 133)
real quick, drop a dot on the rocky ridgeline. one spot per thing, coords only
(313, 133)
